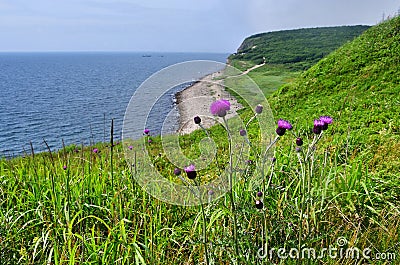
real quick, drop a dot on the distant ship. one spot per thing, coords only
(146, 55)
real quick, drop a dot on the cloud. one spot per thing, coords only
(267, 15)
(179, 4)
(174, 25)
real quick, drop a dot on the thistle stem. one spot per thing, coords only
(233, 208)
(205, 239)
(111, 152)
(251, 119)
(302, 199)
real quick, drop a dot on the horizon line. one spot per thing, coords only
(108, 51)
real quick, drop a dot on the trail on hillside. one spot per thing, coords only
(247, 71)
(251, 69)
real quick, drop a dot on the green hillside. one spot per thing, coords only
(299, 48)
(358, 85)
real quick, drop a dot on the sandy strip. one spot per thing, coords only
(196, 100)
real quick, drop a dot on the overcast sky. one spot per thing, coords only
(169, 25)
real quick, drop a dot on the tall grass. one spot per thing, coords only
(77, 206)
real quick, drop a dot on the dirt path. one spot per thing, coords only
(251, 69)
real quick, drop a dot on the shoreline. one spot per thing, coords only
(196, 99)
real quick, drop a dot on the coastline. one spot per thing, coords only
(196, 99)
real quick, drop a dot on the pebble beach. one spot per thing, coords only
(196, 100)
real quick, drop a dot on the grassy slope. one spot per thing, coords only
(358, 85)
(289, 52)
(297, 49)
(270, 77)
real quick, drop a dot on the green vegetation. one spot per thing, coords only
(270, 77)
(359, 85)
(297, 49)
(343, 184)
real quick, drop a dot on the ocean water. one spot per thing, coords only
(74, 96)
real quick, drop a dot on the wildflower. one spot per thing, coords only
(130, 147)
(177, 171)
(259, 194)
(326, 120)
(298, 149)
(280, 131)
(242, 132)
(259, 204)
(273, 159)
(318, 124)
(210, 193)
(149, 141)
(146, 131)
(299, 141)
(249, 162)
(95, 150)
(220, 107)
(191, 171)
(65, 167)
(197, 120)
(259, 109)
(283, 125)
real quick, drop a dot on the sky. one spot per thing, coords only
(169, 25)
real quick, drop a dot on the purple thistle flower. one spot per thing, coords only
(283, 125)
(149, 141)
(259, 194)
(259, 109)
(190, 168)
(177, 171)
(65, 167)
(326, 120)
(95, 150)
(280, 131)
(298, 149)
(130, 147)
(210, 193)
(242, 132)
(220, 107)
(146, 131)
(299, 141)
(318, 124)
(273, 159)
(190, 171)
(197, 120)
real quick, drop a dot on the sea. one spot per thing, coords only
(72, 97)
